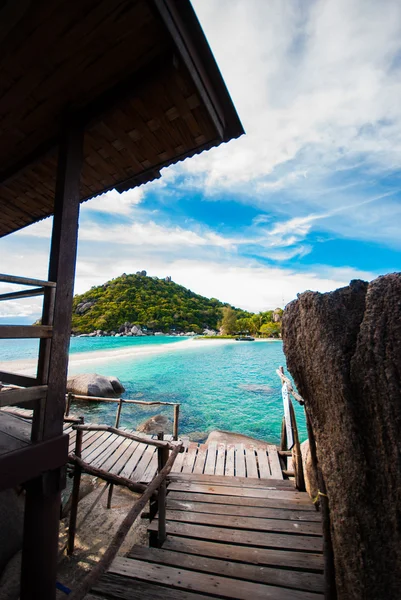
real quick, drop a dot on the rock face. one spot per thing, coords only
(227, 437)
(91, 384)
(344, 351)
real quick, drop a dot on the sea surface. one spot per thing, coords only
(229, 386)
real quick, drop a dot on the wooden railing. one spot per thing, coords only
(156, 490)
(121, 402)
(30, 391)
(289, 428)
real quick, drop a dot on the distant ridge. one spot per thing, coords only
(148, 302)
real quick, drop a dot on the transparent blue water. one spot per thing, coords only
(233, 386)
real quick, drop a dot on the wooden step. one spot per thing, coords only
(287, 559)
(244, 537)
(239, 510)
(271, 576)
(243, 501)
(232, 481)
(113, 586)
(246, 522)
(243, 491)
(214, 585)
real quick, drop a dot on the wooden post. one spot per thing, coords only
(68, 405)
(75, 495)
(176, 417)
(118, 414)
(162, 458)
(298, 466)
(43, 500)
(283, 440)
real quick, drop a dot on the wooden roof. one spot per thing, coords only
(138, 74)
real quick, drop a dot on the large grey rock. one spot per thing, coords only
(92, 384)
(228, 437)
(344, 352)
(156, 424)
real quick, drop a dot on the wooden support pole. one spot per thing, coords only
(298, 466)
(283, 439)
(176, 417)
(118, 414)
(162, 458)
(42, 503)
(124, 528)
(68, 405)
(75, 495)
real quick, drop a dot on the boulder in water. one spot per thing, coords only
(92, 384)
(156, 424)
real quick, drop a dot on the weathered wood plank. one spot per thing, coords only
(230, 460)
(95, 448)
(244, 501)
(248, 523)
(25, 331)
(263, 462)
(232, 481)
(143, 464)
(295, 497)
(137, 450)
(25, 280)
(221, 459)
(21, 395)
(243, 511)
(201, 582)
(190, 457)
(274, 462)
(240, 467)
(199, 464)
(305, 561)
(211, 458)
(251, 466)
(180, 459)
(246, 538)
(126, 452)
(115, 586)
(290, 579)
(17, 379)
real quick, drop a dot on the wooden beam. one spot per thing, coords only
(131, 436)
(43, 497)
(62, 271)
(22, 395)
(16, 379)
(25, 280)
(22, 294)
(8, 332)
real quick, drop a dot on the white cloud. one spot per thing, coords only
(113, 202)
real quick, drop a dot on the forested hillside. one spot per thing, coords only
(156, 304)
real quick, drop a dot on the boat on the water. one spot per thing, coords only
(245, 338)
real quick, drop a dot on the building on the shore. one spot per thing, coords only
(94, 96)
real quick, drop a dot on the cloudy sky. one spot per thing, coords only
(308, 199)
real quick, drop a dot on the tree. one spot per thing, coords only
(271, 329)
(229, 321)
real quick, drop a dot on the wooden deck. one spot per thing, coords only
(138, 461)
(227, 537)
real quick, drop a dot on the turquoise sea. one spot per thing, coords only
(230, 386)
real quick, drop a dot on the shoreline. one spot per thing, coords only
(27, 366)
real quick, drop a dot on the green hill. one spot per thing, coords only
(156, 304)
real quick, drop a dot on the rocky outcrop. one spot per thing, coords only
(344, 351)
(156, 424)
(92, 384)
(228, 437)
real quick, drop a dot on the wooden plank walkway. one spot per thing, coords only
(138, 461)
(227, 537)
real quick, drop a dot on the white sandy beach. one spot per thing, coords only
(95, 358)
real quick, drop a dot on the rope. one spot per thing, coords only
(317, 497)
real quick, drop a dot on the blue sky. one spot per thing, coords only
(311, 196)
